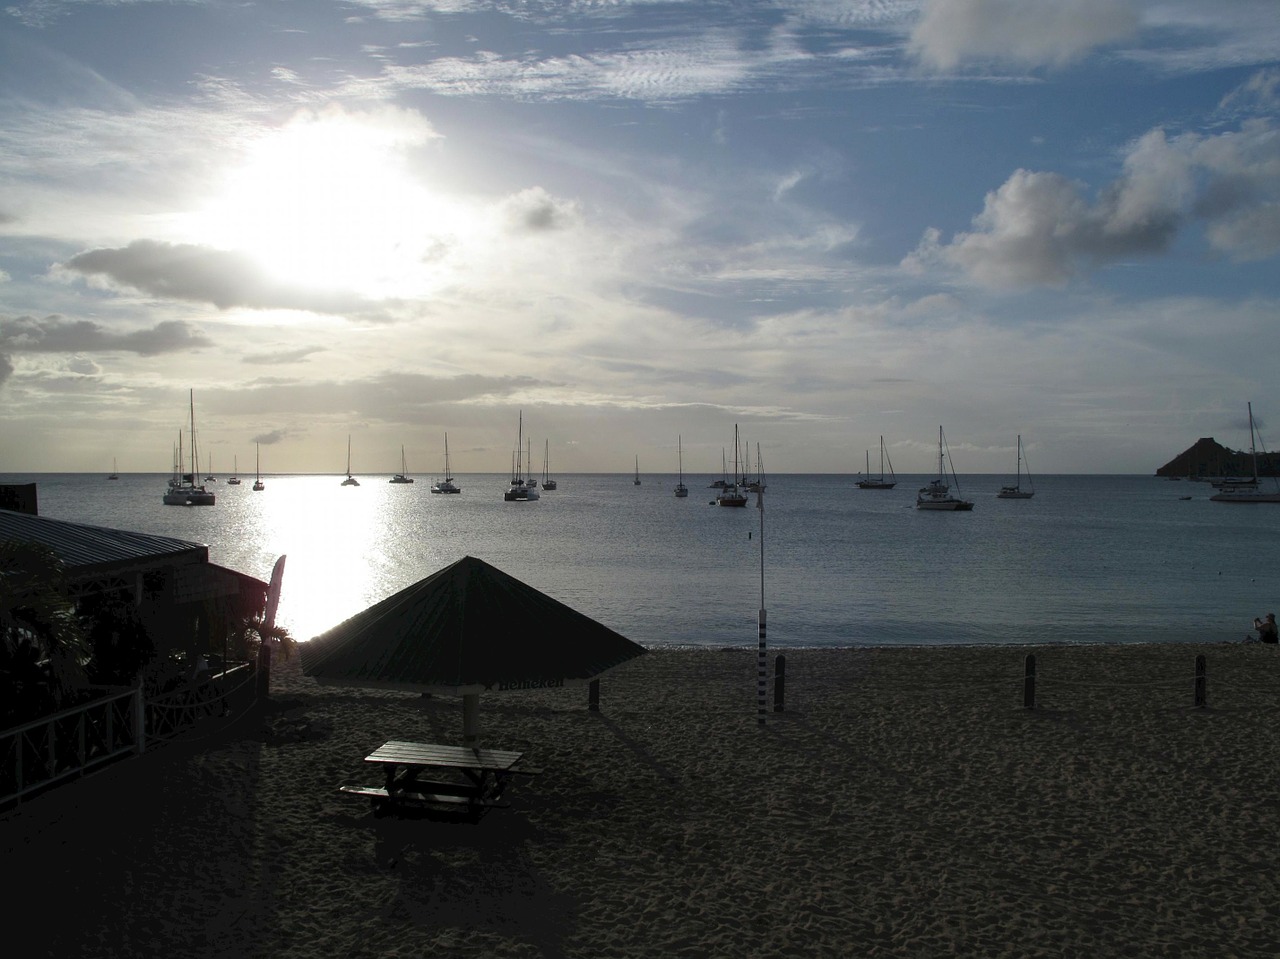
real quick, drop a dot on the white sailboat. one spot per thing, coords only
(183, 490)
(1251, 493)
(1016, 491)
(401, 477)
(115, 474)
(681, 490)
(520, 490)
(258, 486)
(234, 478)
(547, 481)
(878, 482)
(447, 485)
(350, 480)
(731, 494)
(937, 495)
(210, 478)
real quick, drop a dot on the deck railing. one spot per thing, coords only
(69, 743)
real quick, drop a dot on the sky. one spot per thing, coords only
(637, 224)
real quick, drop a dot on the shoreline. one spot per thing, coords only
(904, 804)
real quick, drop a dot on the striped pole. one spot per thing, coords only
(762, 667)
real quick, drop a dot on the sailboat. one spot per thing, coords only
(520, 491)
(1016, 491)
(1242, 493)
(547, 481)
(937, 495)
(681, 490)
(182, 490)
(234, 478)
(401, 477)
(731, 494)
(350, 480)
(878, 482)
(115, 475)
(636, 481)
(447, 486)
(211, 478)
(258, 486)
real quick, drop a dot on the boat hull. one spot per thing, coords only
(1015, 494)
(875, 484)
(951, 506)
(186, 496)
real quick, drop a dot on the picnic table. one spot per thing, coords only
(476, 779)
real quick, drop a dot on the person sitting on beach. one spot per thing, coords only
(1268, 632)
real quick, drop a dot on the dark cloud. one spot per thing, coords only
(183, 271)
(537, 211)
(6, 368)
(56, 334)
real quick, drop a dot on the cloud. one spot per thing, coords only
(1260, 92)
(56, 334)
(1041, 229)
(6, 368)
(184, 271)
(283, 356)
(536, 211)
(1031, 34)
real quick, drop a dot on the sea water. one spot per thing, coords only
(1090, 559)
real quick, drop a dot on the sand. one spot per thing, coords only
(904, 804)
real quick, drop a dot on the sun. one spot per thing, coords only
(330, 202)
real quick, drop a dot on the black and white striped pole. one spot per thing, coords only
(762, 669)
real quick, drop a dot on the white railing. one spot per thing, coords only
(46, 751)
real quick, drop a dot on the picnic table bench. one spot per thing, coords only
(479, 776)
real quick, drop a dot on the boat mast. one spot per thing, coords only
(1253, 452)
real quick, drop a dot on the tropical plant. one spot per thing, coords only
(42, 639)
(251, 632)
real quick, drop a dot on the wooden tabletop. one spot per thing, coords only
(450, 757)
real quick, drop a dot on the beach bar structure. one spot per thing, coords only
(182, 600)
(468, 629)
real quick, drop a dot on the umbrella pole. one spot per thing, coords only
(471, 720)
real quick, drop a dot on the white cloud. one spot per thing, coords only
(1041, 229)
(1035, 33)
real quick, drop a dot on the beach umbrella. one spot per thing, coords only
(469, 628)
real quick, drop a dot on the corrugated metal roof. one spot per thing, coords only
(88, 550)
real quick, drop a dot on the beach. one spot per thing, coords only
(903, 804)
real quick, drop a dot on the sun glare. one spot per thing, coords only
(329, 202)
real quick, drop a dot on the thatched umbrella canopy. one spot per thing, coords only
(468, 628)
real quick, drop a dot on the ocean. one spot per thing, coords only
(1090, 559)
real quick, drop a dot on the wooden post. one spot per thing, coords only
(139, 721)
(779, 682)
(471, 720)
(264, 672)
(1201, 681)
(593, 696)
(1029, 683)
